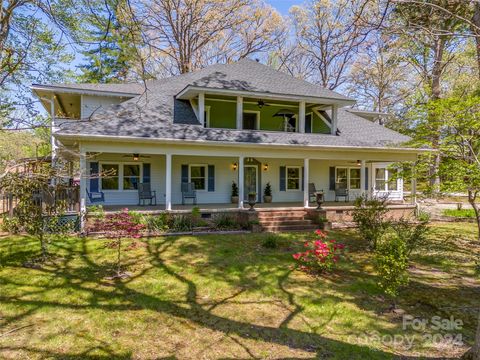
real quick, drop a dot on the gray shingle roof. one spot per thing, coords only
(150, 115)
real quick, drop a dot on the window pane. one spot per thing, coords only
(293, 184)
(380, 179)
(197, 171)
(130, 183)
(199, 183)
(131, 170)
(341, 178)
(392, 180)
(354, 178)
(293, 172)
(110, 179)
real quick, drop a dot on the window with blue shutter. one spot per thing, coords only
(146, 173)
(211, 177)
(282, 178)
(94, 177)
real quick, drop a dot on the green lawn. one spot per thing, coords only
(462, 213)
(225, 297)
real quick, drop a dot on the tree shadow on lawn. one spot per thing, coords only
(88, 279)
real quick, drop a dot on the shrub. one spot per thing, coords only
(234, 189)
(268, 190)
(181, 223)
(321, 255)
(156, 223)
(422, 215)
(391, 263)
(271, 241)
(413, 234)
(225, 222)
(370, 217)
(10, 225)
(195, 216)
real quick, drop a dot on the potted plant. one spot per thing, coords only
(234, 197)
(267, 193)
(252, 199)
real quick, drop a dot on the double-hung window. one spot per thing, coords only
(386, 179)
(198, 175)
(120, 176)
(293, 178)
(347, 178)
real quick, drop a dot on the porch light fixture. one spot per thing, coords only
(265, 167)
(136, 157)
(234, 166)
(359, 162)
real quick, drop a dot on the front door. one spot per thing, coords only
(250, 180)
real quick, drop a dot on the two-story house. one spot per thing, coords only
(242, 122)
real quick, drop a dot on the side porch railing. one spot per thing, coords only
(58, 198)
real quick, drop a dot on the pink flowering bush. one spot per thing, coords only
(321, 254)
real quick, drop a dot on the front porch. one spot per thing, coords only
(278, 206)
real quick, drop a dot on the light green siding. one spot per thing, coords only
(223, 115)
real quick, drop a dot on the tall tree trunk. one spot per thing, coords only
(476, 31)
(436, 89)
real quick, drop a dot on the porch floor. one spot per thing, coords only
(225, 207)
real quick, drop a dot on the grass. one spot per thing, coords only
(225, 297)
(462, 213)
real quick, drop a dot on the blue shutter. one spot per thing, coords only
(211, 177)
(283, 171)
(366, 178)
(303, 178)
(332, 178)
(184, 174)
(93, 176)
(146, 173)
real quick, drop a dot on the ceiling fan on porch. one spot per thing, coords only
(261, 103)
(136, 157)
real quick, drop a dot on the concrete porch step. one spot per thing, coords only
(280, 218)
(285, 222)
(289, 228)
(281, 212)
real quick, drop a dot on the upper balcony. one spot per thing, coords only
(265, 112)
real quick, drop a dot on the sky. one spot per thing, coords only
(283, 5)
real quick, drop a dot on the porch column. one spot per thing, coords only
(306, 176)
(83, 188)
(168, 181)
(413, 193)
(301, 117)
(362, 177)
(201, 108)
(239, 112)
(334, 119)
(241, 175)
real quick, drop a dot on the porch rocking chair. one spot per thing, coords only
(189, 192)
(95, 196)
(312, 192)
(145, 193)
(341, 191)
